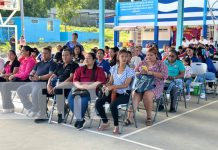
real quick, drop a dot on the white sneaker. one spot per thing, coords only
(168, 96)
(27, 112)
(187, 97)
(32, 114)
(203, 96)
(7, 111)
(210, 90)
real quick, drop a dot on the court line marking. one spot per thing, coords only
(140, 130)
(177, 116)
(114, 137)
(104, 134)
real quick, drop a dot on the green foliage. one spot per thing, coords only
(66, 9)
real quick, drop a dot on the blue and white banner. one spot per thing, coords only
(143, 13)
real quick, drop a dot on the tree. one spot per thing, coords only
(66, 9)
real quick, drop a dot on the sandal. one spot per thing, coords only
(127, 122)
(103, 127)
(148, 122)
(116, 131)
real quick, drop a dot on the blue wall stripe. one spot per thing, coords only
(167, 1)
(185, 19)
(136, 21)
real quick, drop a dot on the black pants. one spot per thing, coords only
(173, 96)
(121, 99)
(3, 79)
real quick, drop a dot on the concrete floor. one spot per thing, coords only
(189, 129)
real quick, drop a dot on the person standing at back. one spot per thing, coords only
(74, 42)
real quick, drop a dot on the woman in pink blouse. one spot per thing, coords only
(26, 65)
(157, 69)
(11, 66)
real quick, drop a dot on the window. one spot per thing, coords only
(34, 21)
(50, 25)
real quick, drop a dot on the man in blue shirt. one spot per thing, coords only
(39, 76)
(74, 42)
(101, 62)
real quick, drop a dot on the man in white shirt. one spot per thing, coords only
(185, 43)
(211, 42)
(203, 41)
(194, 40)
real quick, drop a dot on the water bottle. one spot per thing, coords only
(58, 81)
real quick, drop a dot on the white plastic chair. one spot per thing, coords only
(199, 69)
(215, 63)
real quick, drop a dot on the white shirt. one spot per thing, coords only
(188, 72)
(135, 60)
(120, 79)
(194, 42)
(204, 41)
(1, 65)
(211, 43)
(186, 43)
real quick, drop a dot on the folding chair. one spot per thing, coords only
(181, 94)
(161, 100)
(215, 63)
(124, 107)
(199, 69)
(53, 99)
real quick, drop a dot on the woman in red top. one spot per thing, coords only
(11, 66)
(85, 77)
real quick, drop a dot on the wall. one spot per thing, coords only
(38, 32)
(36, 29)
(83, 36)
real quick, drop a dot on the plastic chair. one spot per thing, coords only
(215, 63)
(199, 69)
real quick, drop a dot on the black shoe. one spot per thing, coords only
(40, 120)
(60, 119)
(172, 110)
(81, 124)
(76, 124)
(161, 107)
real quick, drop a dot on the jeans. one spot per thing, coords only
(78, 105)
(207, 76)
(188, 82)
(177, 82)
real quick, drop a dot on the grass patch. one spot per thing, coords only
(109, 39)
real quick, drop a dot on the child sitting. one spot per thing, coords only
(188, 76)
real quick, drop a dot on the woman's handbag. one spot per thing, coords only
(80, 92)
(144, 83)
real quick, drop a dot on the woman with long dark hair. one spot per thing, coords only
(11, 66)
(112, 57)
(119, 85)
(78, 55)
(85, 78)
(26, 65)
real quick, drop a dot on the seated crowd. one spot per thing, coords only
(114, 69)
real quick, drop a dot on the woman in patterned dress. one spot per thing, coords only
(157, 69)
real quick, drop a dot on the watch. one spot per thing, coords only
(39, 77)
